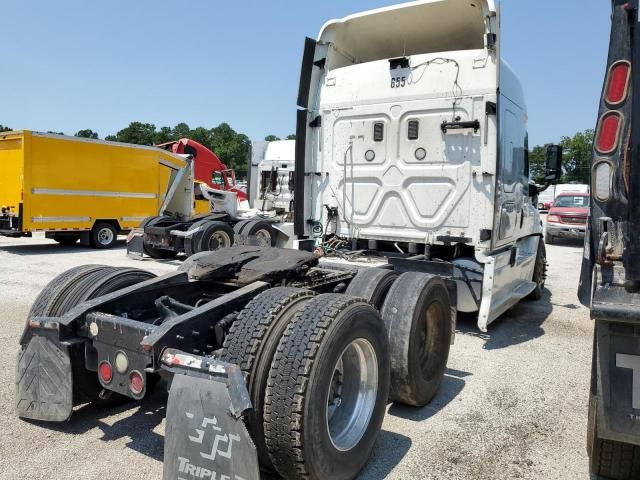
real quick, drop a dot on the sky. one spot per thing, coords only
(74, 64)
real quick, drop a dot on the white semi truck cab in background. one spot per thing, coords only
(271, 176)
(412, 138)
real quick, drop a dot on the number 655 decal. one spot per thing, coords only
(398, 82)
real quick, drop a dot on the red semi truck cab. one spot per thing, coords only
(208, 167)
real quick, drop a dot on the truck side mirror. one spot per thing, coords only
(554, 163)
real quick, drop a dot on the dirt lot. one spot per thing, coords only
(513, 404)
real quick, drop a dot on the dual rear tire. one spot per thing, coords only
(335, 357)
(332, 351)
(259, 233)
(321, 368)
(255, 232)
(213, 235)
(210, 235)
(417, 313)
(72, 288)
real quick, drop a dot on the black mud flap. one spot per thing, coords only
(135, 244)
(618, 381)
(205, 435)
(44, 382)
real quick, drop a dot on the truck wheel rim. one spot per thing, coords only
(105, 236)
(352, 394)
(219, 240)
(263, 237)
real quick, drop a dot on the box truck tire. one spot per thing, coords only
(103, 235)
(66, 239)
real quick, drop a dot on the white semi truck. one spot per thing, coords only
(413, 139)
(411, 156)
(271, 176)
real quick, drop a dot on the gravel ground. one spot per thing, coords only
(513, 404)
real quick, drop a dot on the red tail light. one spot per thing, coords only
(136, 383)
(618, 82)
(106, 372)
(608, 132)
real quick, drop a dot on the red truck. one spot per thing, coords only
(567, 216)
(208, 167)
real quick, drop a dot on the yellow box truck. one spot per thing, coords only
(78, 189)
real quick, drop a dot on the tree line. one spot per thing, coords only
(230, 146)
(233, 147)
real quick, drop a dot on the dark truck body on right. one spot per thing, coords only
(610, 280)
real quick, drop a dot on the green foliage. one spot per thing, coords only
(274, 138)
(164, 135)
(538, 163)
(181, 130)
(138, 133)
(576, 161)
(231, 147)
(201, 135)
(87, 133)
(4, 128)
(55, 133)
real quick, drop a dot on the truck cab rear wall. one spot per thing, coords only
(414, 128)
